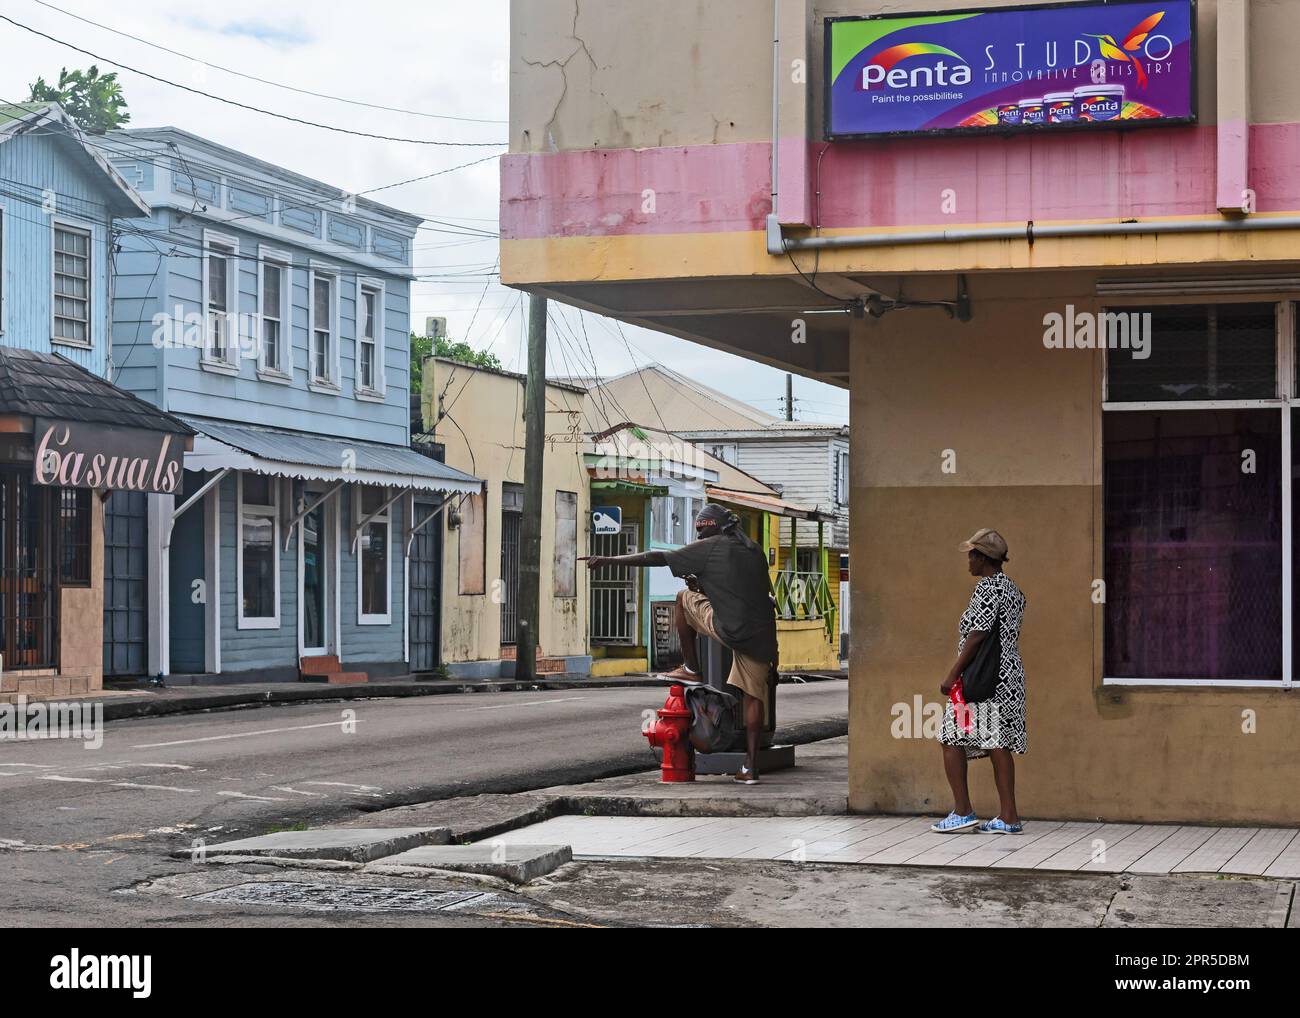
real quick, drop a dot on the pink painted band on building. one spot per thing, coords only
(724, 188)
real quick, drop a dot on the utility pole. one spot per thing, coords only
(789, 397)
(530, 525)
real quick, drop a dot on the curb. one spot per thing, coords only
(318, 693)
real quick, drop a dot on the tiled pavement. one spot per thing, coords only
(896, 840)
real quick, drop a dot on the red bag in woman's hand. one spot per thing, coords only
(961, 712)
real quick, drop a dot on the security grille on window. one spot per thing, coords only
(71, 285)
(373, 551)
(272, 320)
(1197, 531)
(74, 536)
(369, 341)
(322, 329)
(259, 579)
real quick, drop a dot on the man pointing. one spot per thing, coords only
(727, 598)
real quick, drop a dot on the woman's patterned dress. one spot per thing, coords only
(999, 722)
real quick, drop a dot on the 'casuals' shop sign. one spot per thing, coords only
(1049, 67)
(75, 455)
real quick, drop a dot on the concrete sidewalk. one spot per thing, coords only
(801, 815)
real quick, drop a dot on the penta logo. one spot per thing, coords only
(883, 70)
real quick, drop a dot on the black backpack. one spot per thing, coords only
(714, 718)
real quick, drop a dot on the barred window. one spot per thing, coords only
(74, 536)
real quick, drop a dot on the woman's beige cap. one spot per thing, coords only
(989, 542)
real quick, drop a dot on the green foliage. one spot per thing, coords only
(423, 346)
(93, 100)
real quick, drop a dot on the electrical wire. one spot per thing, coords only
(266, 81)
(246, 106)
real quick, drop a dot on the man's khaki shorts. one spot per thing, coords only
(747, 673)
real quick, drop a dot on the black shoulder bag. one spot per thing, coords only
(980, 679)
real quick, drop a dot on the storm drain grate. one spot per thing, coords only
(341, 898)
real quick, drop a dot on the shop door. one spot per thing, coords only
(186, 596)
(313, 576)
(512, 506)
(614, 613)
(426, 589)
(126, 583)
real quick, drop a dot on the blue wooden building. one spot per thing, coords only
(67, 434)
(271, 312)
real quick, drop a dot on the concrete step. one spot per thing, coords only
(319, 664)
(355, 845)
(347, 678)
(339, 678)
(516, 863)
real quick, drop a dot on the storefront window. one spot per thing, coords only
(1194, 525)
(373, 562)
(259, 575)
(1203, 352)
(1193, 544)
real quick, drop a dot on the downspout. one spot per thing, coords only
(773, 222)
(778, 245)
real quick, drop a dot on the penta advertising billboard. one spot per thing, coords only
(1011, 69)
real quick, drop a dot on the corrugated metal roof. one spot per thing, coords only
(326, 457)
(48, 385)
(768, 503)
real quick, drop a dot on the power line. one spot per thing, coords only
(246, 106)
(266, 81)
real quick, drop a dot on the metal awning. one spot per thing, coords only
(223, 446)
(628, 488)
(768, 504)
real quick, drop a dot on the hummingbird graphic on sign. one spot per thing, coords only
(1113, 50)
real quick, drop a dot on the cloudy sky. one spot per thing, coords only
(443, 63)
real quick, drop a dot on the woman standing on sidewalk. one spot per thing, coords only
(995, 727)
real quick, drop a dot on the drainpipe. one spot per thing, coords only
(779, 245)
(773, 223)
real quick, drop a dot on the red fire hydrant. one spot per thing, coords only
(670, 732)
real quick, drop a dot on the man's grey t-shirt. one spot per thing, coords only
(733, 576)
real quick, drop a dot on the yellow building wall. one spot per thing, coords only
(1022, 424)
(489, 443)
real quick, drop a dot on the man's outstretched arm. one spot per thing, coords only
(638, 561)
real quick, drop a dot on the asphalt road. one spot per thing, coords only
(78, 824)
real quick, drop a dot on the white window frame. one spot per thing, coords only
(386, 518)
(330, 385)
(1284, 401)
(283, 261)
(841, 476)
(728, 452)
(229, 249)
(73, 226)
(376, 392)
(272, 511)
